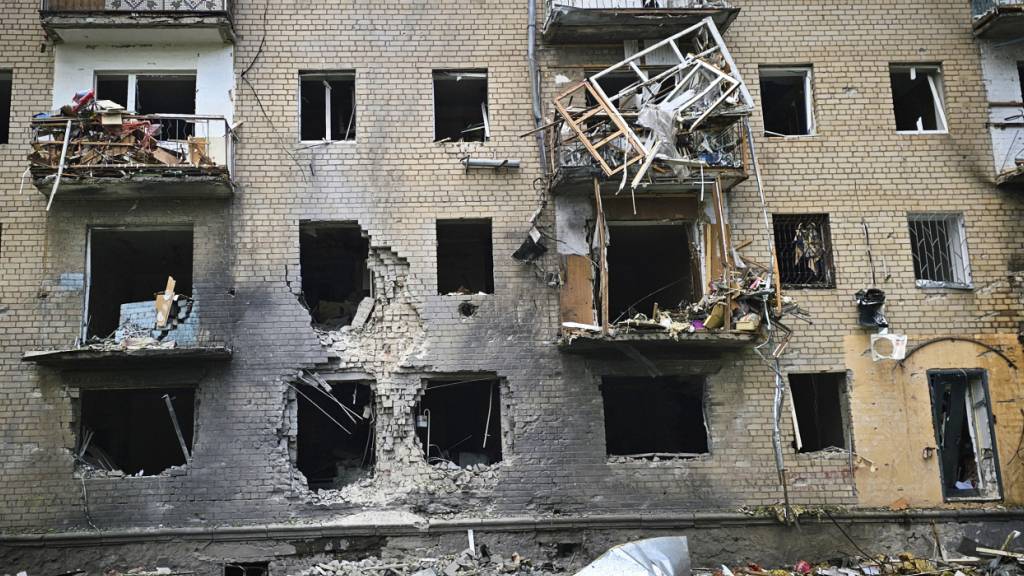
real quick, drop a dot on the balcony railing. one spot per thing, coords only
(998, 19)
(981, 7)
(188, 6)
(129, 155)
(607, 21)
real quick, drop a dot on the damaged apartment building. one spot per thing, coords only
(283, 283)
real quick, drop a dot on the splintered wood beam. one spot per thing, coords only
(604, 256)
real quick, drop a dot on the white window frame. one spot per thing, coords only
(133, 81)
(956, 231)
(485, 106)
(807, 72)
(326, 77)
(938, 88)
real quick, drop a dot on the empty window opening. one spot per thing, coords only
(171, 93)
(1020, 76)
(335, 443)
(819, 401)
(786, 101)
(328, 106)
(647, 417)
(918, 100)
(939, 248)
(803, 245)
(964, 435)
(131, 266)
(460, 106)
(648, 264)
(247, 569)
(335, 277)
(465, 263)
(5, 105)
(133, 430)
(459, 421)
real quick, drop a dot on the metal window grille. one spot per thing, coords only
(939, 248)
(803, 245)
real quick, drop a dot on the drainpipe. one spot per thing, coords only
(531, 57)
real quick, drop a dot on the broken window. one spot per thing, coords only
(654, 416)
(247, 569)
(648, 264)
(819, 402)
(154, 94)
(335, 442)
(459, 420)
(335, 277)
(939, 247)
(1020, 76)
(803, 246)
(460, 106)
(786, 102)
(918, 100)
(140, 431)
(964, 434)
(5, 105)
(465, 264)
(328, 106)
(127, 268)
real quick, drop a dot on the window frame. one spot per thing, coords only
(327, 76)
(5, 131)
(485, 113)
(842, 379)
(805, 70)
(979, 375)
(937, 84)
(133, 83)
(957, 232)
(826, 224)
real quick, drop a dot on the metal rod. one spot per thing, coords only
(60, 168)
(177, 427)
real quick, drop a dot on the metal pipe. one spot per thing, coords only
(489, 163)
(177, 428)
(531, 59)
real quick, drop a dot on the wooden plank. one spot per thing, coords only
(577, 295)
(604, 255)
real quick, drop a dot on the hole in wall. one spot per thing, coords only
(819, 402)
(467, 309)
(247, 569)
(335, 442)
(459, 420)
(335, 277)
(465, 262)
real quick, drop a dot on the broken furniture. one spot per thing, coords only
(669, 114)
(100, 149)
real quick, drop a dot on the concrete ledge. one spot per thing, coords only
(511, 524)
(80, 356)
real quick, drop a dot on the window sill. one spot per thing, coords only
(313, 143)
(808, 286)
(922, 132)
(661, 458)
(972, 499)
(937, 285)
(784, 137)
(460, 142)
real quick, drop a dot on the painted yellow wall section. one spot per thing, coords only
(892, 417)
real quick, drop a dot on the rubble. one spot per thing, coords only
(468, 563)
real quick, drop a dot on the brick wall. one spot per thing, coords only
(394, 181)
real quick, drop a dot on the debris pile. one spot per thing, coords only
(150, 324)
(669, 122)
(102, 138)
(988, 562)
(479, 563)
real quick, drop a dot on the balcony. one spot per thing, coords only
(998, 19)
(1008, 145)
(138, 21)
(611, 21)
(128, 156)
